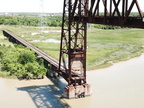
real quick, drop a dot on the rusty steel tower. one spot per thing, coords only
(76, 15)
(73, 47)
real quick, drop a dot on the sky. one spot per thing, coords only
(49, 6)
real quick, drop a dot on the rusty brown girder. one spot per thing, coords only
(73, 42)
(76, 15)
(73, 48)
(115, 12)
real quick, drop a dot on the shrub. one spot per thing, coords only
(21, 62)
(1, 54)
(26, 57)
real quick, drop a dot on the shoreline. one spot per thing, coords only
(101, 68)
(118, 86)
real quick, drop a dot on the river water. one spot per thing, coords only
(118, 86)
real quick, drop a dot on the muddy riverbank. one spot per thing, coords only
(118, 86)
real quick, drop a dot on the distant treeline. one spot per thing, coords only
(37, 19)
(33, 20)
(54, 21)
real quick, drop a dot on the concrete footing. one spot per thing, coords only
(78, 91)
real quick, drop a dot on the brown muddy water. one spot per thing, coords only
(118, 86)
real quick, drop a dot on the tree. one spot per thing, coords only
(21, 62)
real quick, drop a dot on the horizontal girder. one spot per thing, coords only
(110, 12)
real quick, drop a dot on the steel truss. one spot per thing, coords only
(73, 42)
(115, 12)
(76, 15)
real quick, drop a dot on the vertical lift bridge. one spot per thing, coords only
(76, 15)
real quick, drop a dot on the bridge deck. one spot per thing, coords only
(43, 55)
(39, 52)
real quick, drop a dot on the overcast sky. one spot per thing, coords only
(49, 6)
(31, 5)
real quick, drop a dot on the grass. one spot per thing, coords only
(108, 46)
(104, 46)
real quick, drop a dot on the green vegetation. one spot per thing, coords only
(105, 46)
(106, 27)
(108, 46)
(18, 61)
(31, 20)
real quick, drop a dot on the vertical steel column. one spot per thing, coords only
(110, 8)
(85, 37)
(126, 7)
(105, 10)
(123, 8)
(64, 42)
